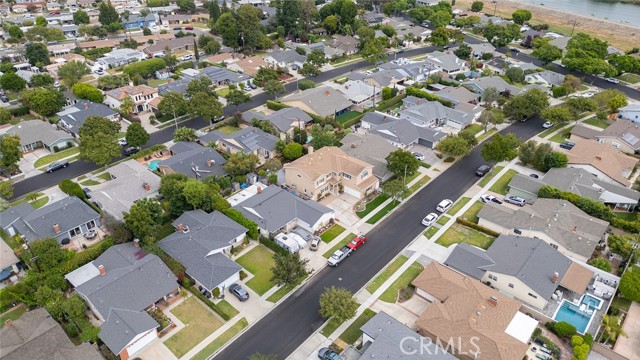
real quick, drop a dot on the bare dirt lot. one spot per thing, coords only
(622, 36)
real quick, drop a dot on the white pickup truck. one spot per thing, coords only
(339, 255)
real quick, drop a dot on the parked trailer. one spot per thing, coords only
(287, 243)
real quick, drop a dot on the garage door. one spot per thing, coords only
(142, 342)
(352, 192)
(426, 143)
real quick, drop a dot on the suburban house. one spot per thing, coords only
(130, 181)
(322, 101)
(630, 112)
(119, 286)
(284, 120)
(276, 210)
(577, 181)
(623, 135)
(121, 57)
(481, 49)
(62, 220)
(523, 268)
(384, 337)
(605, 162)
(37, 336)
(557, 222)
(163, 47)
(192, 159)
(72, 118)
(372, 149)
(410, 70)
(480, 84)
(359, 93)
(247, 65)
(8, 262)
(330, 171)
(137, 21)
(425, 113)
(445, 62)
(382, 78)
(285, 58)
(53, 68)
(221, 77)
(36, 134)
(348, 44)
(404, 134)
(201, 243)
(141, 95)
(459, 95)
(479, 322)
(545, 78)
(248, 140)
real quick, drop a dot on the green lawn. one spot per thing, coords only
(331, 233)
(105, 176)
(485, 179)
(431, 231)
(337, 246)
(443, 220)
(559, 137)
(353, 332)
(458, 233)
(596, 122)
(222, 92)
(386, 273)
(418, 184)
(12, 314)
(458, 205)
(487, 134)
(501, 185)
(472, 213)
(200, 323)
(259, 262)
(47, 159)
(156, 82)
(279, 294)
(384, 211)
(391, 294)
(474, 128)
(228, 129)
(548, 132)
(40, 202)
(162, 231)
(371, 205)
(346, 117)
(89, 183)
(630, 78)
(227, 308)
(331, 326)
(625, 215)
(221, 340)
(621, 303)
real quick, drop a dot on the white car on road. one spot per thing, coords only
(444, 205)
(429, 219)
(547, 125)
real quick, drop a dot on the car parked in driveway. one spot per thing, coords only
(444, 205)
(239, 292)
(328, 354)
(56, 165)
(515, 200)
(418, 156)
(315, 243)
(357, 241)
(483, 170)
(429, 219)
(567, 145)
(490, 198)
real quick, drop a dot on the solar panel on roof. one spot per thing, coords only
(630, 138)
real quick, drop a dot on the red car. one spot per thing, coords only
(357, 241)
(188, 27)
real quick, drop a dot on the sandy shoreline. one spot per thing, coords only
(623, 36)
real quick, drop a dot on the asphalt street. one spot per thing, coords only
(293, 321)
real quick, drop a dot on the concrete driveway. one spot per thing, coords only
(156, 350)
(253, 308)
(429, 155)
(628, 346)
(343, 206)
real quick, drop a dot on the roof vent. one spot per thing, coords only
(493, 301)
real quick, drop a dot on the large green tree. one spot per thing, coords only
(88, 92)
(12, 82)
(99, 140)
(558, 115)
(240, 164)
(402, 162)
(337, 304)
(72, 71)
(500, 148)
(11, 152)
(136, 135)
(289, 269)
(227, 27)
(108, 14)
(526, 104)
(44, 101)
(274, 87)
(630, 285)
(454, 146)
(521, 16)
(139, 220)
(205, 106)
(37, 54)
(396, 189)
(185, 134)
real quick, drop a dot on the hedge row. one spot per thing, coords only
(385, 105)
(411, 91)
(208, 302)
(272, 245)
(237, 216)
(86, 256)
(276, 105)
(475, 226)
(19, 111)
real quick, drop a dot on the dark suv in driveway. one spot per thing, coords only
(56, 165)
(239, 292)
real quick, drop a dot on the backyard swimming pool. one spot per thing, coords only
(571, 313)
(153, 166)
(592, 302)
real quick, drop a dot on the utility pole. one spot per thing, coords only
(495, 6)
(574, 26)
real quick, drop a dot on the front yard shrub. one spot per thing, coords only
(412, 91)
(271, 245)
(243, 275)
(475, 226)
(71, 188)
(449, 159)
(275, 105)
(562, 329)
(208, 302)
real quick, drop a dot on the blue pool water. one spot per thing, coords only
(571, 313)
(592, 302)
(153, 166)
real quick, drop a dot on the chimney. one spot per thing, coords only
(346, 87)
(56, 228)
(136, 243)
(85, 105)
(180, 227)
(575, 228)
(102, 270)
(353, 146)
(8, 323)
(210, 162)
(493, 301)
(385, 119)
(598, 157)
(554, 278)
(146, 186)
(327, 92)
(259, 189)
(310, 150)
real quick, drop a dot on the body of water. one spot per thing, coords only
(602, 9)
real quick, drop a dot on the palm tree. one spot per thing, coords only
(611, 326)
(127, 106)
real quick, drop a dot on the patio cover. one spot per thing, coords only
(577, 278)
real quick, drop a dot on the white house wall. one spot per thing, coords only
(141, 340)
(519, 291)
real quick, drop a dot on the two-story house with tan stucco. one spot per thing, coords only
(330, 171)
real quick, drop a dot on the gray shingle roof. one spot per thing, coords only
(219, 75)
(323, 100)
(207, 233)
(448, 62)
(370, 148)
(178, 86)
(287, 56)
(405, 132)
(526, 183)
(76, 119)
(625, 131)
(388, 334)
(469, 260)
(32, 131)
(189, 156)
(382, 77)
(556, 218)
(274, 207)
(585, 132)
(36, 224)
(492, 81)
(247, 139)
(37, 336)
(583, 183)
(283, 119)
(429, 111)
(375, 118)
(122, 326)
